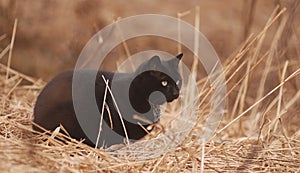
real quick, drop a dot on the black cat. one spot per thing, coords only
(133, 96)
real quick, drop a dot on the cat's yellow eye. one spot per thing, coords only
(164, 83)
(177, 82)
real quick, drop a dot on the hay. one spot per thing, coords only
(260, 132)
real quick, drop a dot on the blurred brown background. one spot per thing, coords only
(51, 34)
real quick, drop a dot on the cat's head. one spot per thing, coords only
(159, 80)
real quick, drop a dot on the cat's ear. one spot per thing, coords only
(179, 56)
(175, 61)
(154, 63)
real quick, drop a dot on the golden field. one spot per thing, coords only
(258, 44)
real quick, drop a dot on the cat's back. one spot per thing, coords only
(58, 90)
(54, 105)
(57, 94)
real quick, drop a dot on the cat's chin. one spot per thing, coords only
(171, 99)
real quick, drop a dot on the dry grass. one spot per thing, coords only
(259, 133)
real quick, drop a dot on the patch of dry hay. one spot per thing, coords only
(259, 133)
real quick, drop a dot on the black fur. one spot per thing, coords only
(54, 105)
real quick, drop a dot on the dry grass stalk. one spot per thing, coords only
(2, 37)
(179, 17)
(11, 47)
(117, 108)
(102, 112)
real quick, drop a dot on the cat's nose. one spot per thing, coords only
(175, 93)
